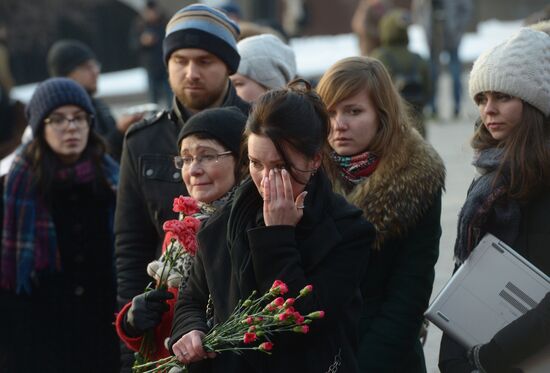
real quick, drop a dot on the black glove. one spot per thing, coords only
(146, 311)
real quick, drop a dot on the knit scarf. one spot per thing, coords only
(29, 243)
(486, 203)
(355, 168)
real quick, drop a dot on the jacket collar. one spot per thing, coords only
(401, 190)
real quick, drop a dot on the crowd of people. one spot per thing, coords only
(333, 186)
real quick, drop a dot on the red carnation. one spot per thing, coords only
(185, 205)
(249, 337)
(289, 302)
(266, 346)
(192, 223)
(278, 288)
(306, 290)
(278, 301)
(304, 329)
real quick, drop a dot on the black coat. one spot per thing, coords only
(530, 332)
(402, 198)
(66, 324)
(237, 254)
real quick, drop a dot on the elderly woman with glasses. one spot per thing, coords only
(56, 268)
(211, 167)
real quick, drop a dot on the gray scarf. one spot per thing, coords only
(486, 208)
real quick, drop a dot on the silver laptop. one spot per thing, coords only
(493, 287)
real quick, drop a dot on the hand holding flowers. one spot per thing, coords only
(249, 327)
(172, 268)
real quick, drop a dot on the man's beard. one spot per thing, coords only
(202, 100)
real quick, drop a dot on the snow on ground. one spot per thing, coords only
(313, 56)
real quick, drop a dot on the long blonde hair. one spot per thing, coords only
(350, 76)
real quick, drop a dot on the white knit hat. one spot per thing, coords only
(519, 67)
(267, 60)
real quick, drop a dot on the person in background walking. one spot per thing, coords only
(146, 39)
(200, 51)
(266, 63)
(211, 168)
(383, 166)
(75, 60)
(365, 22)
(57, 269)
(409, 71)
(510, 196)
(444, 23)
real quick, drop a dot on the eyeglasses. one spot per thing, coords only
(203, 159)
(61, 122)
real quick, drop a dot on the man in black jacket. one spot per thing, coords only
(200, 52)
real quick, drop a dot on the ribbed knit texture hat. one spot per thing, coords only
(225, 124)
(519, 67)
(51, 94)
(66, 55)
(267, 60)
(200, 26)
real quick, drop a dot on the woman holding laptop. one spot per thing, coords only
(510, 198)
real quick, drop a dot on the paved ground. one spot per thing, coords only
(450, 137)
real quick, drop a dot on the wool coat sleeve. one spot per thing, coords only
(390, 328)
(512, 344)
(190, 309)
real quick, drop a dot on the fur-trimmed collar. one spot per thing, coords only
(401, 190)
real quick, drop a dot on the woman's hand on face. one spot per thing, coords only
(280, 208)
(189, 348)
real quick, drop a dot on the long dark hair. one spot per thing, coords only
(44, 162)
(293, 116)
(526, 153)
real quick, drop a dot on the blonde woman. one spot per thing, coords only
(382, 165)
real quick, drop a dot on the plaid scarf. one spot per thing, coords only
(29, 241)
(355, 168)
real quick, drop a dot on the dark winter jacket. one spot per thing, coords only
(149, 182)
(530, 332)
(328, 249)
(66, 323)
(105, 126)
(402, 198)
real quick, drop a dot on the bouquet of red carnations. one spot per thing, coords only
(180, 245)
(250, 326)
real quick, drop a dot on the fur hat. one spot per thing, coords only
(53, 93)
(267, 60)
(200, 26)
(518, 67)
(66, 55)
(225, 124)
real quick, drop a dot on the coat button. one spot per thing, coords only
(176, 175)
(149, 172)
(78, 291)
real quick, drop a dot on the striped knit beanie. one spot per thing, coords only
(519, 67)
(202, 27)
(51, 94)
